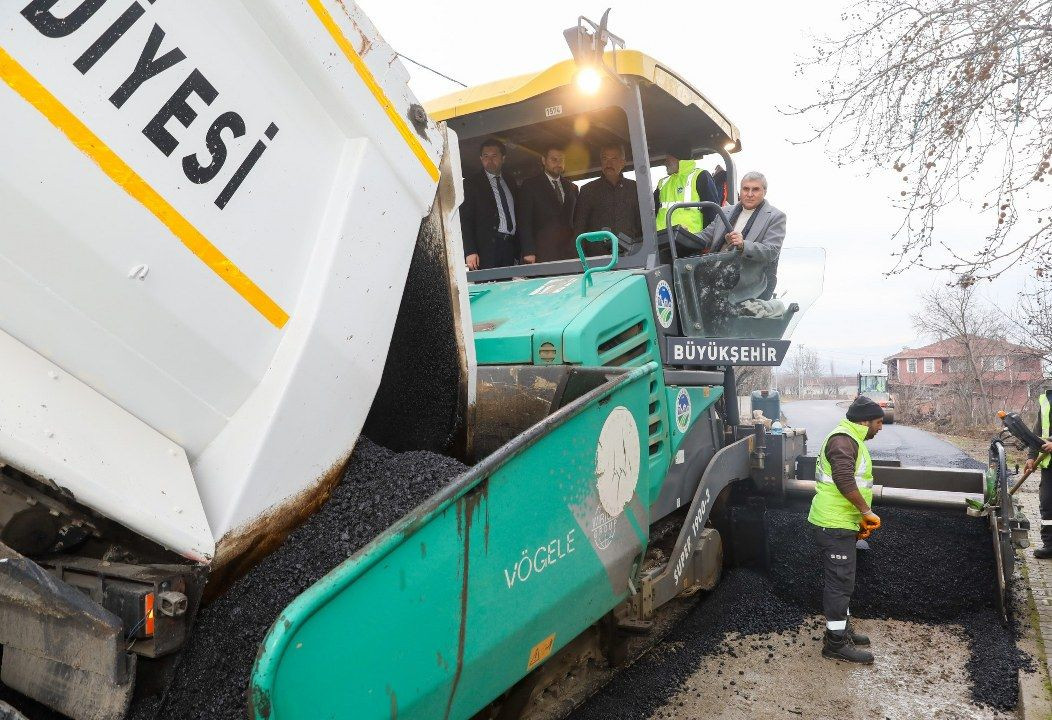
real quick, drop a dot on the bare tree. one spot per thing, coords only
(833, 381)
(749, 378)
(803, 370)
(833, 385)
(957, 313)
(943, 92)
(909, 400)
(1032, 316)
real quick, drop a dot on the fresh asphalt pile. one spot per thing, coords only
(924, 566)
(414, 409)
(378, 487)
(743, 602)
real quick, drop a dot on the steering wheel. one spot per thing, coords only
(672, 239)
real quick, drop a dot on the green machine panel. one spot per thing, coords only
(482, 583)
(512, 320)
(555, 321)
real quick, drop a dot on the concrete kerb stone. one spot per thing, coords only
(1035, 689)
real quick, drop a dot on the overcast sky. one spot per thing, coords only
(743, 60)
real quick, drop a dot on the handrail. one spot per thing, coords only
(595, 236)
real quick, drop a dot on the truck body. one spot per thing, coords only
(210, 212)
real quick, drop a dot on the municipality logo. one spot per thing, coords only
(663, 303)
(683, 411)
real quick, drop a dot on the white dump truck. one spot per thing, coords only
(208, 213)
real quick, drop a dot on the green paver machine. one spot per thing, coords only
(611, 470)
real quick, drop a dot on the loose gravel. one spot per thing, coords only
(924, 566)
(927, 567)
(416, 410)
(377, 488)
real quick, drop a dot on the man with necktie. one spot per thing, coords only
(546, 205)
(487, 215)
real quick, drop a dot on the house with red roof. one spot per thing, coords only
(1012, 374)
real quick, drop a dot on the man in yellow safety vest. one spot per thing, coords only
(686, 182)
(1042, 428)
(841, 513)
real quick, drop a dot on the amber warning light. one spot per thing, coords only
(149, 602)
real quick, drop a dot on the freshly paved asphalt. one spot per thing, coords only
(910, 445)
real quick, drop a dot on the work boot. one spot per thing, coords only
(837, 646)
(856, 639)
(1043, 553)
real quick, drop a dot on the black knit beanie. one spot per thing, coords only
(864, 409)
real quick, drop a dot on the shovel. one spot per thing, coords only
(1020, 481)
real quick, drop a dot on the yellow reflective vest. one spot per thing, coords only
(830, 508)
(681, 187)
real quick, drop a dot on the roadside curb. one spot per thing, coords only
(1033, 697)
(1035, 691)
(1035, 610)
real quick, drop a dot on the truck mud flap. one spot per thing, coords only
(482, 583)
(60, 647)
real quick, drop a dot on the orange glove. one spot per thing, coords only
(870, 522)
(863, 534)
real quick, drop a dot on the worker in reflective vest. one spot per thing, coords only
(841, 513)
(1043, 428)
(686, 182)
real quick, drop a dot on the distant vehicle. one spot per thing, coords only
(874, 385)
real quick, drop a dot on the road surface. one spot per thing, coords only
(921, 669)
(909, 445)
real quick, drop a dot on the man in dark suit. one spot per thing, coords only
(487, 215)
(545, 211)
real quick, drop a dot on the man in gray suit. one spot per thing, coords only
(756, 235)
(757, 232)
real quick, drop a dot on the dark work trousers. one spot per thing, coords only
(838, 558)
(1044, 495)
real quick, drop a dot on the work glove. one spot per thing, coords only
(870, 522)
(863, 534)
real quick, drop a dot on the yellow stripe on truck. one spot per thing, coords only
(374, 87)
(19, 79)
